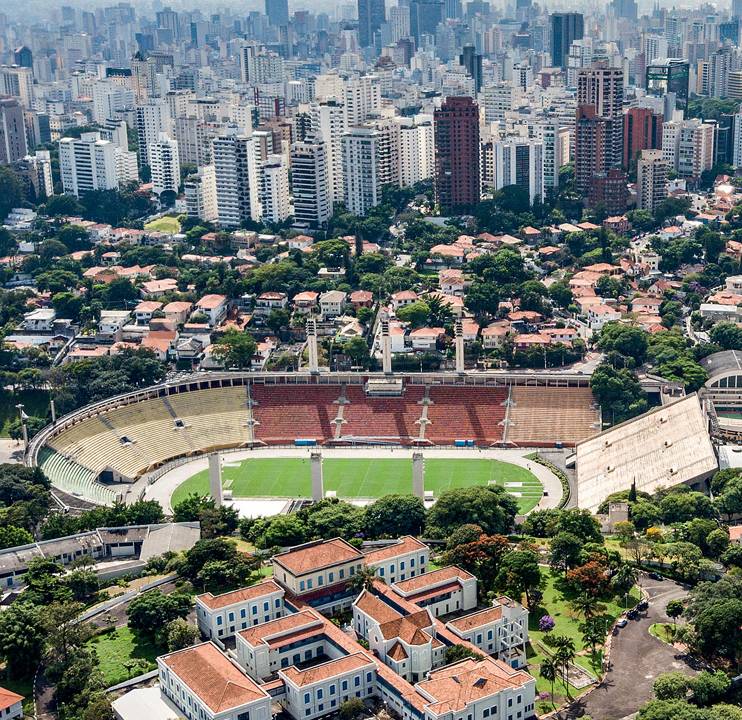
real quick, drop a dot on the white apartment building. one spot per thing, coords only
(416, 149)
(651, 183)
(200, 194)
(362, 98)
(152, 119)
(688, 146)
(237, 180)
(274, 194)
(497, 100)
(89, 163)
(18, 82)
(165, 165)
(361, 166)
(221, 616)
(204, 685)
(110, 98)
(553, 139)
(514, 161)
(310, 185)
(328, 123)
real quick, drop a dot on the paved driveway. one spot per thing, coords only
(637, 659)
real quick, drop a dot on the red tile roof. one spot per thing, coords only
(216, 602)
(315, 556)
(327, 670)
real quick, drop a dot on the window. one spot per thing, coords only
(381, 572)
(307, 698)
(241, 716)
(352, 571)
(401, 565)
(231, 617)
(332, 689)
(368, 677)
(254, 609)
(330, 577)
(357, 681)
(320, 707)
(489, 635)
(342, 573)
(320, 693)
(309, 584)
(278, 603)
(486, 712)
(219, 620)
(320, 581)
(308, 712)
(243, 613)
(510, 702)
(412, 562)
(266, 606)
(301, 585)
(345, 685)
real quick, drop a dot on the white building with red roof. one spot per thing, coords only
(214, 307)
(443, 591)
(203, 683)
(405, 558)
(11, 704)
(221, 616)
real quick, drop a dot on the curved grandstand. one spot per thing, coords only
(92, 451)
(724, 390)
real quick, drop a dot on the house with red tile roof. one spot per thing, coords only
(11, 704)
(443, 591)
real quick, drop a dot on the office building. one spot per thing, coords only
(669, 76)
(277, 12)
(565, 29)
(371, 16)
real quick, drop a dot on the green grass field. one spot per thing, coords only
(35, 402)
(167, 224)
(123, 654)
(364, 478)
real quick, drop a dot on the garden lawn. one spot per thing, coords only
(166, 224)
(124, 654)
(556, 604)
(364, 478)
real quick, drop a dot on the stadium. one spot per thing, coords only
(472, 429)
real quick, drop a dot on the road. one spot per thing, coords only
(637, 658)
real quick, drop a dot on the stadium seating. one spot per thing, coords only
(74, 479)
(288, 412)
(541, 416)
(465, 413)
(392, 418)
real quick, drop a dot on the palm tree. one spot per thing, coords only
(548, 671)
(564, 655)
(362, 580)
(586, 605)
(440, 311)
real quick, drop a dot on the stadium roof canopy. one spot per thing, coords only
(664, 447)
(722, 364)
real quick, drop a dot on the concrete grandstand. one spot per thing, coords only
(97, 451)
(666, 446)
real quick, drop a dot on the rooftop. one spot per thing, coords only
(316, 555)
(328, 670)
(216, 602)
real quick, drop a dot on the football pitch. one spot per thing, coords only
(364, 478)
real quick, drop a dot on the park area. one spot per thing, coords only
(557, 603)
(350, 478)
(124, 654)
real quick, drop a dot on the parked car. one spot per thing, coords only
(623, 622)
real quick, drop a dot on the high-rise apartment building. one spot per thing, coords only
(153, 119)
(200, 194)
(669, 76)
(416, 153)
(642, 130)
(361, 165)
(457, 183)
(89, 163)
(237, 180)
(651, 180)
(310, 185)
(274, 190)
(328, 123)
(165, 165)
(13, 144)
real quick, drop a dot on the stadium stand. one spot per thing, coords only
(465, 413)
(664, 447)
(287, 412)
(543, 416)
(74, 479)
(392, 418)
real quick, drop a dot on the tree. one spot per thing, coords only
(363, 579)
(416, 313)
(581, 524)
(727, 336)
(590, 579)
(463, 535)
(624, 579)
(481, 558)
(520, 573)
(282, 531)
(490, 507)
(12, 536)
(717, 541)
(483, 298)
(235, 349)
(151, 611)
(671, 686)
(619, 393)
(717, 629)
(564, 552)
(563, 656)
(710, 687)
(729, 502)
(351, 709)
(11, 191)
(548, 671)
(682, 505)
(628, 340)
(394, 515)
(671, 710)
(594, 630)
(180, 634)
(21, 638)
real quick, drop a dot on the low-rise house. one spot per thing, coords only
(361, 298)
(158, 288)
(720, 313)
(426, 338)
(11, 704)
(221, 616)
(493, 336)
(177, 311)
(332, 303)
(214, 307)
(305, 302)
(451, 282)
(40, 320)
(144, 311)
(111, 323)
(267, 302)
(600, 315)
(402, 298)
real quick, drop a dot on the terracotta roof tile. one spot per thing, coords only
(216, 602)
(314, 556)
